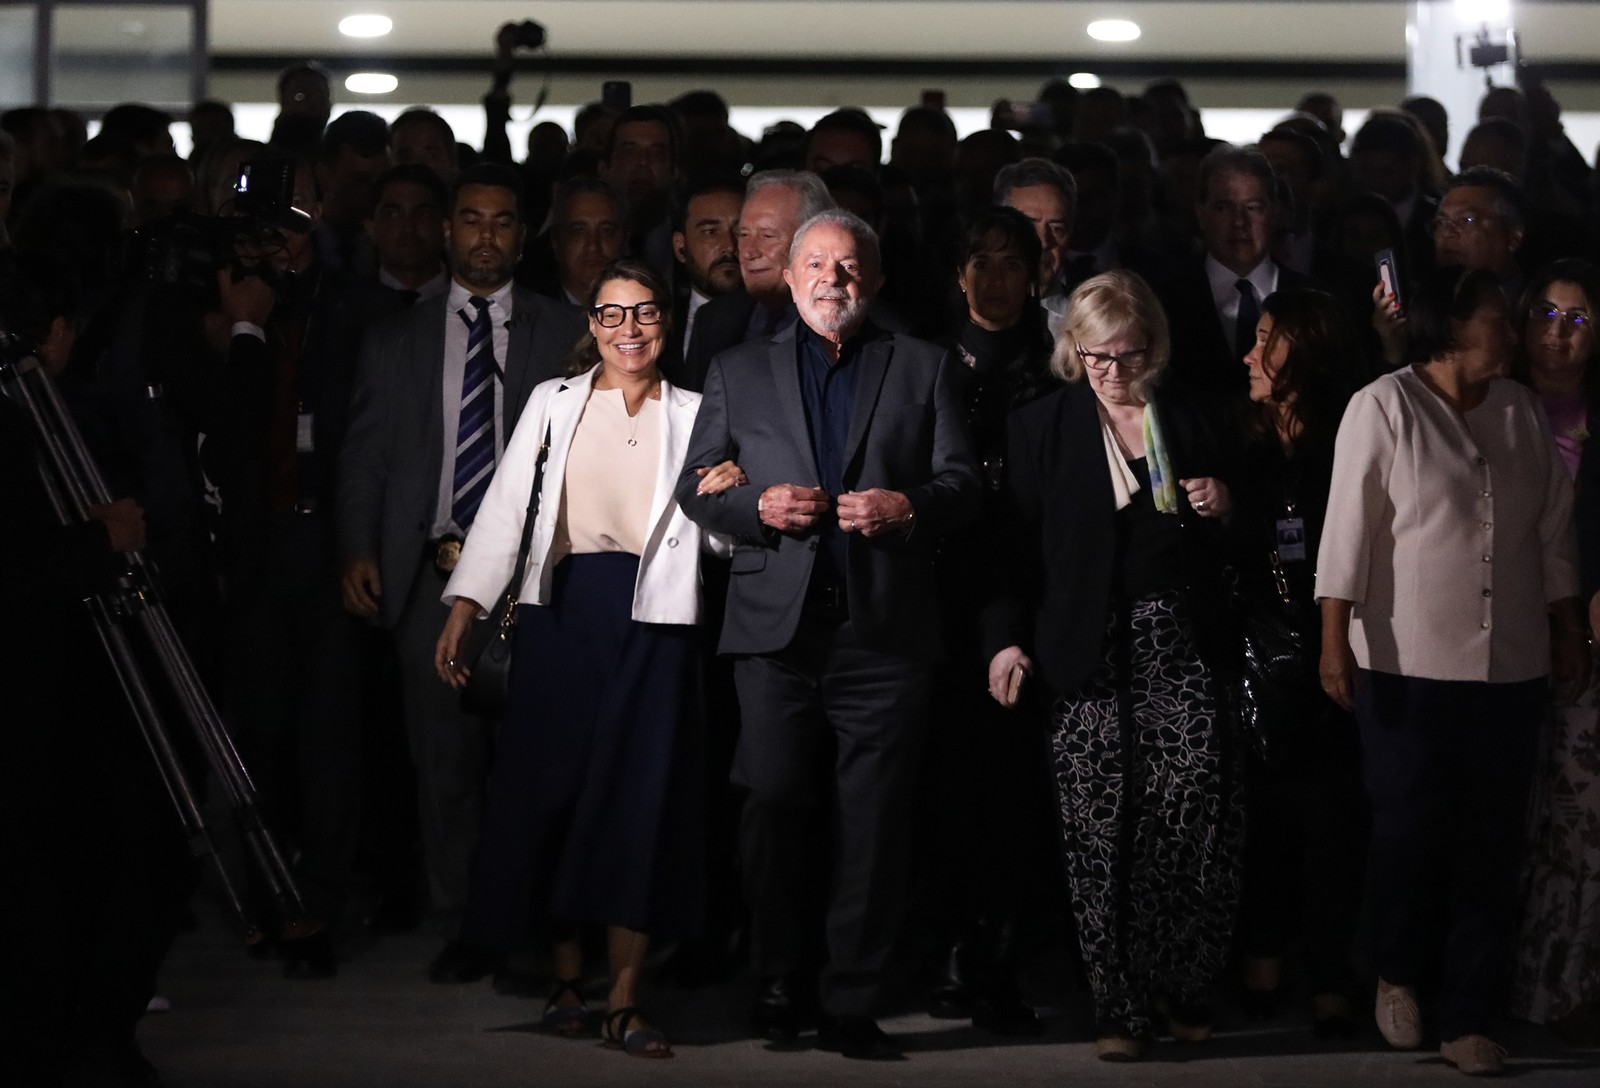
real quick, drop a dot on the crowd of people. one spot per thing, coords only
(907, 557)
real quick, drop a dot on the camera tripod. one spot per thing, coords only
(130, 616)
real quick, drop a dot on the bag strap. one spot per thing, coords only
(515, 586)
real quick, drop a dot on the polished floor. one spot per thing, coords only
(236, 1023)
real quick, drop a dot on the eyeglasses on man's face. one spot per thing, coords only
(610, 315)
(1457, 224)
(1128, 362)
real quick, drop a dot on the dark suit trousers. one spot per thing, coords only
(1448, 765)
(449, 748)
(294, 702)
(825, 698)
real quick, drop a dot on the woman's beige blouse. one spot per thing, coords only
(1450, 532)
(611, 478)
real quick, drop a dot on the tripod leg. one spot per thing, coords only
(229, 768)
(168, 765)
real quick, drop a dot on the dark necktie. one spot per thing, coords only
(1244, 329)
(475, 427)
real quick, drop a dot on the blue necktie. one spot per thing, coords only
(475, 430)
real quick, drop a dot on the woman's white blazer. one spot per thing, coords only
(668, 587)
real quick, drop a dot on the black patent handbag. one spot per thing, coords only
(1278, 682)
(488, 685)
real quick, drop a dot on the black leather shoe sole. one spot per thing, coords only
(857, 1037)
(460, 963)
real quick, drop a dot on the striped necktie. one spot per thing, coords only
(475, 429)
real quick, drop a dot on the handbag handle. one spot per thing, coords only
(509, 620)
(1280, 582)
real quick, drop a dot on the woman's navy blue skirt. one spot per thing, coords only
(595, 805)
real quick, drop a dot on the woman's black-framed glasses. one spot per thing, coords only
(1128, 361)
(611, 315)
(1575, 319)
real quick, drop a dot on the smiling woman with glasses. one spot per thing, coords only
(594, 810)
(1110, 560)
(1556, 977)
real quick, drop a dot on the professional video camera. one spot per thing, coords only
(186, 250)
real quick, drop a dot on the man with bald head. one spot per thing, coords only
(857, 462)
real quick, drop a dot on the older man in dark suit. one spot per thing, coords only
(1214, 303)
(438, 391)
(853, 443)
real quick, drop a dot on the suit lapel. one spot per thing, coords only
(677, 421)
(428, 376)
(870, 370)
(786, 378)
(518, 365)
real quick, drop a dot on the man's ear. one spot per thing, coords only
(788, 278)
(680, 247)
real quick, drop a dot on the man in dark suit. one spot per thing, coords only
(438, 392)
(853, 442)
(1387, 158)
(776, 202)
(705, 226)
(1213, 303)
(1091, 246)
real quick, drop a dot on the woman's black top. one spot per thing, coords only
(997, 373)
(1149, 557)
(1277, 487)
(1001, 371)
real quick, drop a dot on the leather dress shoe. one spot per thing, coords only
(857, 1037)
(781, 1003)
(1000, 1009)
(310, 956)
(460, 963)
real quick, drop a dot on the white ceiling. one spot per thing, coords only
(1018, 29)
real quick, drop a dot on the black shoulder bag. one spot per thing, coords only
(489, 684)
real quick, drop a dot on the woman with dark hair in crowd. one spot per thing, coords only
(980, 859)
(1305, 838)
(1111, 563)
(1448, 585)
(1556, 980)
(594, 807)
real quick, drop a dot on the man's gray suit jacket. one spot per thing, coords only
(393, 452)
(905, 435)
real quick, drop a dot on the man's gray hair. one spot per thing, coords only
(1035, 171)
(866, 238)
(814, 196)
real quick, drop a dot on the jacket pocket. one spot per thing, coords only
(746, 560)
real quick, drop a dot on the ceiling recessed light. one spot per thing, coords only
(1113, 30)
(1084, 81)
(1483, 11)
(371, 83)
(365, 26)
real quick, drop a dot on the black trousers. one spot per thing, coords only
(294, 702)
(826, 700)
(1306, 847)
(1448, 766)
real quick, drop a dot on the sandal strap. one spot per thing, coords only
(616, 1022)
(563, 987)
